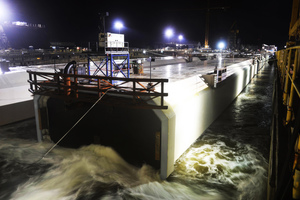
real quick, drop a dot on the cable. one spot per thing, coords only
(72, 127)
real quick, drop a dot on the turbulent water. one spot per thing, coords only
(229, 161)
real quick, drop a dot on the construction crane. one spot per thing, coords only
(233, 31)
(206, 45)
(208, 13)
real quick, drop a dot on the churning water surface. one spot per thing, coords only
(229, 161)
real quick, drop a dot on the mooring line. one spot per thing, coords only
(72, 127)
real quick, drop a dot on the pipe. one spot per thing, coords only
(69, 66)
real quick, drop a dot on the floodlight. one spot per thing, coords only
(118, 25)
(169, 33)
(221, 45)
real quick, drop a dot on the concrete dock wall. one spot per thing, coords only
(16, 79)
(192, 108)
(16, 112)
(16, 102)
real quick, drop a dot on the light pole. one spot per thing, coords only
(169, 33)
(221, 46)
(180, 38)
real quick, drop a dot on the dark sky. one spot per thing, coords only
(259, 21)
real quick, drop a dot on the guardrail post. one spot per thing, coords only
(58, 82)
(287, 71)
(67, 85)
(162, 91)
(75, 82)
(292, 90)
(99, 87)
(35, 82)
(30, 81)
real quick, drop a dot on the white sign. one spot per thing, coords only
(115, 40)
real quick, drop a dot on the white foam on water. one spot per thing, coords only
(163, 191)
(215, 167)
(216, 161)
(78, 170)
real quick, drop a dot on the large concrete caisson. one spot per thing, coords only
(193, 107)
(133, 133)
(155, 137)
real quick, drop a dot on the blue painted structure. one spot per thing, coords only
(110, 68)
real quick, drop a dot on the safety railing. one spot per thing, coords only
(138, 91)
(288, 63)
(113, 47)
(285, 140)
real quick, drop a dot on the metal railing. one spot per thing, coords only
(285, 140)
(128, 91)
(288, 63)
(112, 47)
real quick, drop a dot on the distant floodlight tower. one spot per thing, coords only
(169, 33)
(221, 45)
(119, 25)
(180, 37)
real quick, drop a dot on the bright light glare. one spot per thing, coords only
(221, 45)
(118, 25)
(4, 11)
(169, 33)
(180, 37)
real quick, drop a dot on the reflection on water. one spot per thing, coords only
(229, 161)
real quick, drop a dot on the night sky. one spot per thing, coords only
(259, 21)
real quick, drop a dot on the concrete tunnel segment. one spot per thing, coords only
(155, 137)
